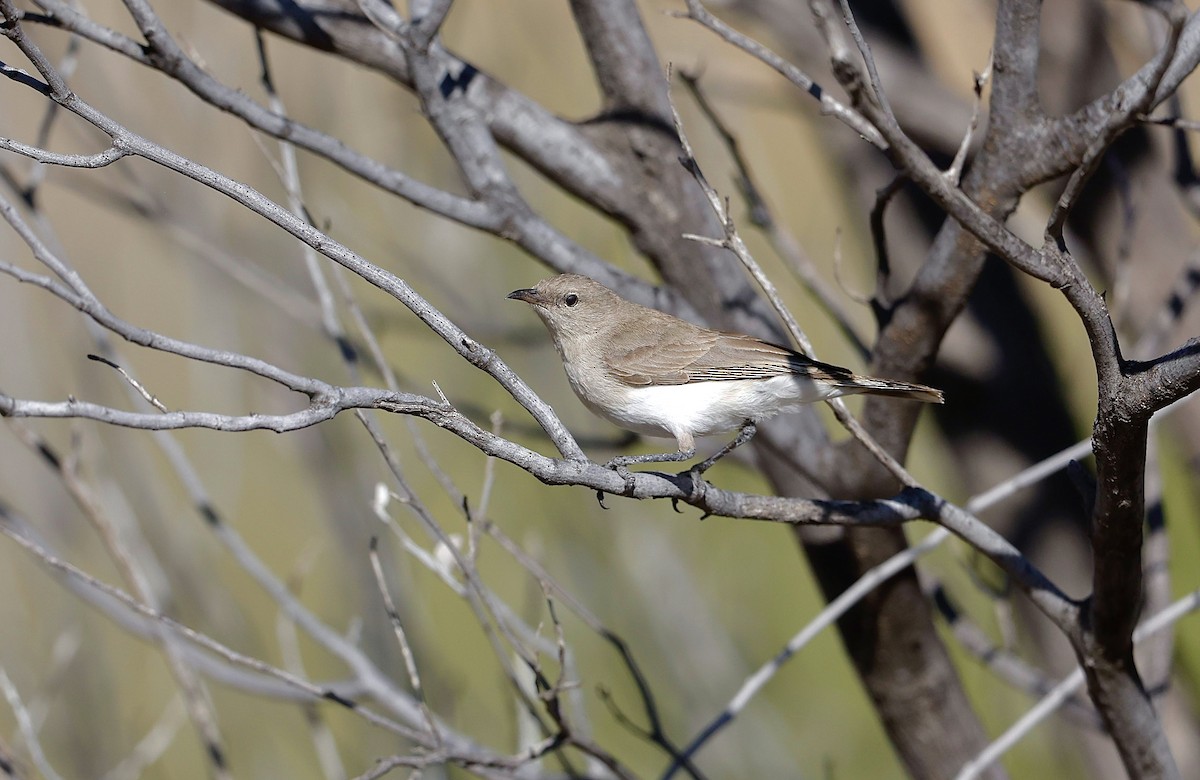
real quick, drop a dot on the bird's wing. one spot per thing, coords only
(657, 355)
(678, 355)
(734, 356)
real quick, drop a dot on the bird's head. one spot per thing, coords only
(571, 305)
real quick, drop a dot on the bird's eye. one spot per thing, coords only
(570, 299)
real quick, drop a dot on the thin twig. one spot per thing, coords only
(954, 172)
(25, 726)
(1071, 683)
(829, 615)
(784, 242)
(1003, 663)
(119, 541)
(473, 351)
(324, 744)
(136, 385)
(864, 49)
(1117, 121)
(202, 640)
(410, 663)
(870, 580)
(829, 105)
(153, 745)
(732, 241)
(881, 302)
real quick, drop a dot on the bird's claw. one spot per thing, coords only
(618, 465)
(695, 477)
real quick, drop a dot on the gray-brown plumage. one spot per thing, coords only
(696, 354)
(662, 376)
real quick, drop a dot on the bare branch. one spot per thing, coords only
(472, 350)
(410, 663)
(698, 13)
(1071, 683)
(197, 638)
(830, 614)
(1119, 119)
(152, 745)
(25, 725)
(954, 172)
(98, 160)
(732, 241)
(783, 241)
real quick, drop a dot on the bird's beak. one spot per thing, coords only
(528, 295)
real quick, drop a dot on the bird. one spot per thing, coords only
(655, 374)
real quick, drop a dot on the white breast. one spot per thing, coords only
(705, 408)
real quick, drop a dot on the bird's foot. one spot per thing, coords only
(696, 490)
(696, 482)
(744, 435)
(619, 465)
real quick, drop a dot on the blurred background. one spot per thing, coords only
(701, 605)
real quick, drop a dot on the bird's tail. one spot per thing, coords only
(909, 390)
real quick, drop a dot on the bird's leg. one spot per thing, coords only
(619, 463)
(744, 435)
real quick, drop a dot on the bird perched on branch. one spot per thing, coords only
(658, 375)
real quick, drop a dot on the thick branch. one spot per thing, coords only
(623, 58)
(911, 504)
(1014, 100)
